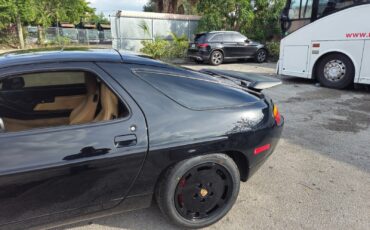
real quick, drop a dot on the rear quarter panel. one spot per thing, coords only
(177, 133)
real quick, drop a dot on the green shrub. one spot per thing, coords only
(274, 50)
(163, 49)
(179, 46)
(158, 48)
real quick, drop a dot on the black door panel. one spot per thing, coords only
(45, 173)
(20, 103)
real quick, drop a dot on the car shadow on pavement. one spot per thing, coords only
(150, 218)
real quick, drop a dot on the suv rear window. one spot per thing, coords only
(196, 93)
(200, 38)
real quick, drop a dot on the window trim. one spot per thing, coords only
(74, 126)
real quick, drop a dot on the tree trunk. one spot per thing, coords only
(20, 31)
(40, 35)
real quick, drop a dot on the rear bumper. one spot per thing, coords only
(272, 138)
(198, 55)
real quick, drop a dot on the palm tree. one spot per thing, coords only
(175, 6)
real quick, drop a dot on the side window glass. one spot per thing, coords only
(53, 79)
(217, 38)
(294, 11)
(51, 99)
(194, 93)
(306, 10)
(239, 38)
(228, 38)
(327, 7)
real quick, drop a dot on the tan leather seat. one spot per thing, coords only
(85, 111)
(109, 103)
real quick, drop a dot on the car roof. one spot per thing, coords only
(218, 32)
(36, 56)
(227, 31)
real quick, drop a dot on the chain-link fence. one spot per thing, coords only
(129, 29)
(55, 35)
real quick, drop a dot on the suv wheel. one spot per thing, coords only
(217, 57)
(261, 56)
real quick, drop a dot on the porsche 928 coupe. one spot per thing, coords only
(88, 132)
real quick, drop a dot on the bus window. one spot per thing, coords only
(327, 7)
(294, 9)
(306, 10)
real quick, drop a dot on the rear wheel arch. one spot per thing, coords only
(239, 159)
(242, 162)
(167, 189)
(218, 49)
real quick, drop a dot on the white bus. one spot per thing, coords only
(326, 40)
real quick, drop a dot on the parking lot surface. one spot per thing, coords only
(318, 177)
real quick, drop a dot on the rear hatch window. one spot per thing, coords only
(200, 38)
(196, 93)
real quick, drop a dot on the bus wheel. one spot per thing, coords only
(336, 71)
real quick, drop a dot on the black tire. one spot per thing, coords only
(342, 75)
(261, 56)
(216, 58)
(219, 194)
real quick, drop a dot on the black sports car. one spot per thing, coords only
(86, 131)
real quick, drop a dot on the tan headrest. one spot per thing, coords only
(85, 112)
(109, 103)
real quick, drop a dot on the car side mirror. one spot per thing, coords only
(247, 41)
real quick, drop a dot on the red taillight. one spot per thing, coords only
(203, 45)
(262, 149)
(277, 115)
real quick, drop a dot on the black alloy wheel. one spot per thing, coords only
(203, 191)
(198, 192)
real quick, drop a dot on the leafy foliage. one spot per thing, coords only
(258, 19)
(11, 9)
(274, 50)
(52, 11)
(150, 6)
(158, 48)
(99, 18)
(178, 47)
(163, 49)
(45, 13)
